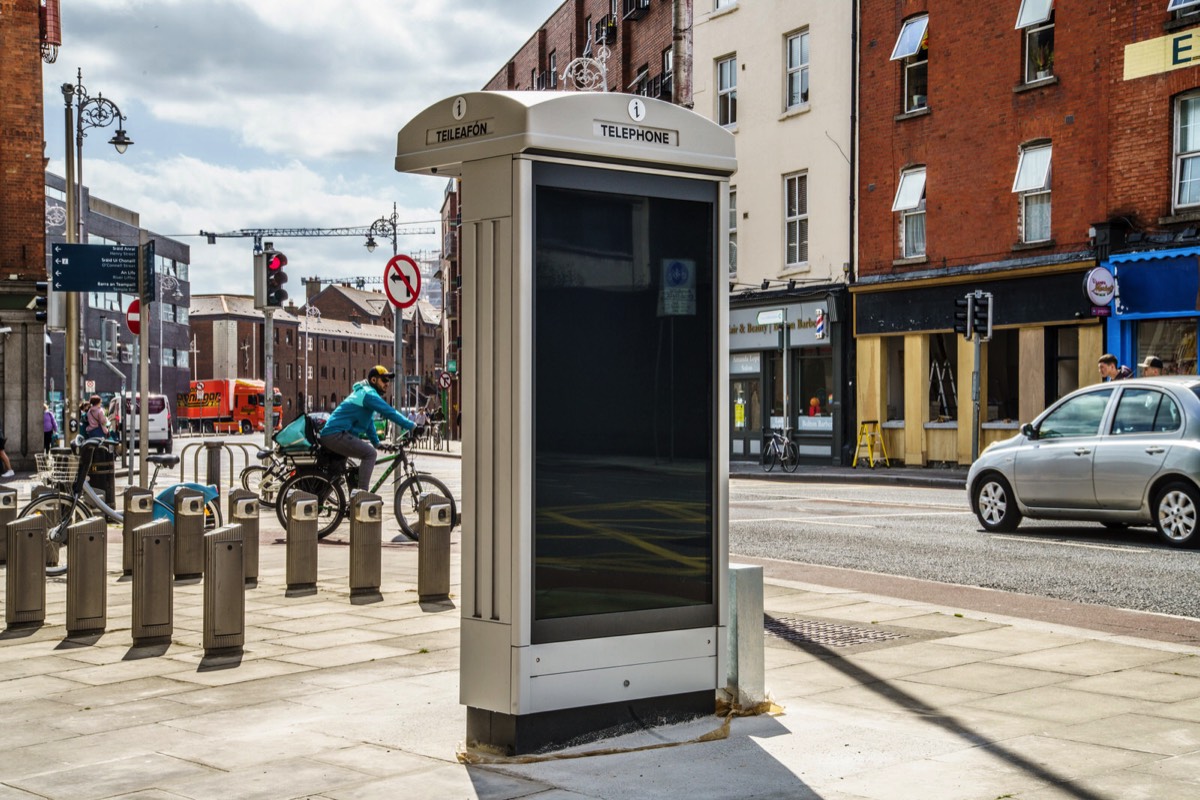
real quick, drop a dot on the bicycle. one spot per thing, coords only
(333, 477)
(265, 480)
(780, 448)
(72, 503)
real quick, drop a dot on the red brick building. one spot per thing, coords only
(22, 226)
(984, 135)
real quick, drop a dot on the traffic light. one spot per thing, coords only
(963, 314)
(269, 278)
(981, 316)
(276, 278)
(41, 301)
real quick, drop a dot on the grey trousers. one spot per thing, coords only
(347, 444)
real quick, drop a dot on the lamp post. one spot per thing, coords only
(389, 227)
(166, 282)
(309, 313)
(89, 112)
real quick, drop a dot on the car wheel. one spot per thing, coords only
(994, 504)
(1177, 514)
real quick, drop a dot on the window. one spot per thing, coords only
(1187, 151)
(1036, 18)
(796, 77)
(668, 62)
(1003, 377)
(912, 48)
(1182, 8)
(166, 312)
(910, 202)
(181, 358)
(1033, 185)
(727, 91)
(1079, 416)
(943, 376)
(1145, 411)
(587, 45)
(732, 233)
(168, 357)
(796, 220)
(553, 69)
(725, 4)
(181, 314)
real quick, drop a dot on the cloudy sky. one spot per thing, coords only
(273, 113)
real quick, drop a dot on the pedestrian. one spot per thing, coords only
(95, 424)
(353, 418)
(8, 470)
(1152, 366)
(1111, 370)
(49, 428)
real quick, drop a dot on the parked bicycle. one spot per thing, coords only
(332, 478)
(267, 478)
(75, 500)
(780, 450)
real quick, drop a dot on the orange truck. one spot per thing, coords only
(225, 405)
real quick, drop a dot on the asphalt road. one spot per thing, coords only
(932, 535)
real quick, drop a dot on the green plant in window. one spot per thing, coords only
(1043, 58)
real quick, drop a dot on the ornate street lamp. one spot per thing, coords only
(388, 227)
(309, 313)
(89, 112)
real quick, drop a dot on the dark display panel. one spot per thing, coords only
(624, 403)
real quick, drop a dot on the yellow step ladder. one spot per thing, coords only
(868, 436)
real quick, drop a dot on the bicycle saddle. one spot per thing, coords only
(168, 461)
(265, 454)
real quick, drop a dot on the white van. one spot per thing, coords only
(159, 415)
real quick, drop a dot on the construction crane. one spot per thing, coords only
(365, 231)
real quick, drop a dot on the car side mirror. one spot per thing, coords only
(1028, 431)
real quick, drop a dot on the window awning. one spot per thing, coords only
(1156, 255)
(1033, 169)
(910, 191)
(1034, 12)
(912, 36)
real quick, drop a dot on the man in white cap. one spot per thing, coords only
(1152, 366)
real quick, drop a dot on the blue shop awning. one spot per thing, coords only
(1157, 281)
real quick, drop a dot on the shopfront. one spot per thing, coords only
(1156, 309)
(801, 392)
(915, 374)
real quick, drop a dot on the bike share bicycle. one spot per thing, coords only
(72, 503)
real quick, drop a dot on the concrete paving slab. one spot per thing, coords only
(996, 678)
(296, 777)
(1140, 732)
(1089, 658)
(118, 777)
(1059, 704)
(1184, 768)
(1141, 684)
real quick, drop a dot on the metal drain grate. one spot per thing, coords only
(829, 634)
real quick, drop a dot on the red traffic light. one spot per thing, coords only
(276, 261)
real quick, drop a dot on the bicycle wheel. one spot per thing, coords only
(769, 457)
(263, 483)
(212, 514)
(252, 477)
(61, 512)
(331, 500)
(791, 457)
(408, 496)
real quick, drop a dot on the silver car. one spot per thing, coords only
(1120, 453)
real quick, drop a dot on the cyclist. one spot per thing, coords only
(353, 417)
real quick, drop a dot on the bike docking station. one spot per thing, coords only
(87, 592)
(8, 512)
(25, 574)
(433, 553)
(244, 510)
(189, 534)
(594, 265)
(139, 510)
(224, 591)
(366, 546)
(301, 567)
(153, 604)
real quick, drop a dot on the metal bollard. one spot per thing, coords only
(189, 534)
(366, 542)
(745, 682)
(213, 452)
(25, 581)
(301, 543)
(87, 598)
(243, 510)
(139, 510)
(8, 512)
(153, 601)
(224, 590)
(433, 549)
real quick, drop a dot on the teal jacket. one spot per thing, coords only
(354, 414)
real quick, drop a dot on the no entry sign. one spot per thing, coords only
(402, 281)
(133, 317)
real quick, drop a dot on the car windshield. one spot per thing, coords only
(1077, 416)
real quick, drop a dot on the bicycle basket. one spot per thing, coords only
(56, 470)
(299, 435)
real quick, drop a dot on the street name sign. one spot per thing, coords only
(94, 268)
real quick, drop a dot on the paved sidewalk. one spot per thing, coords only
(882, 698)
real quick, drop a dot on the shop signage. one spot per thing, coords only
(1154, 56)
(1099, 286)
(748, 331)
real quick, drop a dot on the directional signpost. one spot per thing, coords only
(95, 268)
